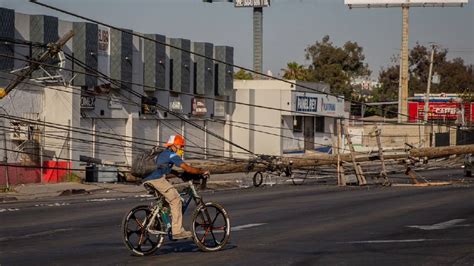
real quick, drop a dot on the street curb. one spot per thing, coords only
(108, 190)
(8, 199)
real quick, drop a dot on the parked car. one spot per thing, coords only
(468, 164)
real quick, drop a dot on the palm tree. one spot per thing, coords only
(295, 71)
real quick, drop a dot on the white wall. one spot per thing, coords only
(280, 137)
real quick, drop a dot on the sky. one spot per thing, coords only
(289, 27)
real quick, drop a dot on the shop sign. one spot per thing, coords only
(175, 105)
(219, 109)
(199, 106)
(114, 102)
(328, 107)
(103, 40)
(306, 104)
(87, 102)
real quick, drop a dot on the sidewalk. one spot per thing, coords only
(29, 192)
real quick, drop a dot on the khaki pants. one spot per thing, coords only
(172, 197)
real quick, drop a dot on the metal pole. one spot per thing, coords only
(403, 94)
(41, 142)
(205, 139)
(258, 40)
(428, 86)
(5, 159)
(69, 144)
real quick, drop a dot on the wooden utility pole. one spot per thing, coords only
(327, 159)
(341, 179)
(383, 173)
(53, 49)
(403, 93)
(405, 5)
(428, 86)
(358, 170)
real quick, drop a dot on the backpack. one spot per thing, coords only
(144, 163)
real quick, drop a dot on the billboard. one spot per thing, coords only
(438, 111)
(251, 3)
(395, 3)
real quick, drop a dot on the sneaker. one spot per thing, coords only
(183, 235)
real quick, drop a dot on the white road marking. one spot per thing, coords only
(52, 204)
(2, 239)
(104, 199)
(236, 228)
(9, 210)
(391, 241)
(245, 226)
(144, 196)
(440, 226)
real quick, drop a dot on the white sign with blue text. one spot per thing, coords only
(306, 104)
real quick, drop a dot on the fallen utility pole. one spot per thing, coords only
(326, 159)
(437, 152)
(53, 49)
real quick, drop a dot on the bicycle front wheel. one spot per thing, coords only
(211, 227)
(135, 236)
(257, 179)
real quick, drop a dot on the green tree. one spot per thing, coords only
(336, 66)
(295, 71)
(455, 75)
(242, 74)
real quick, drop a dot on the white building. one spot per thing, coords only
(83, 115)
(302, 119)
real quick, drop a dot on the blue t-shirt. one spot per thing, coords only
(164, 163)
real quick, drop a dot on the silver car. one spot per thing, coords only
(468, 163)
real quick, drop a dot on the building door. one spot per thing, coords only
(308, 132)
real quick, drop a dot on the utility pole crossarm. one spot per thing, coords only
(53, 49)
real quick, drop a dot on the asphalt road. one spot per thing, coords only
(312, 224)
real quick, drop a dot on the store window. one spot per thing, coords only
(320, 124)
(297, 124)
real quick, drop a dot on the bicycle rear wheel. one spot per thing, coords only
(211, 227)
(258, 179)
(135, 236)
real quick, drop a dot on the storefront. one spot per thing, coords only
(313, 122)
(300, 121)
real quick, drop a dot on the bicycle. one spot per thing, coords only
(144, 227)
(301, 175)
(274, 166)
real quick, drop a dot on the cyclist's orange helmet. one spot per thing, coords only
(175, 140)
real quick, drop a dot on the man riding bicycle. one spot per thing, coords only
(165, 161)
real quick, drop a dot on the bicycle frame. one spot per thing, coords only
(190, 194)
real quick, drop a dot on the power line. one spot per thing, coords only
(190, 52)
(133, 92)
(223, 100)
(167, 109)
(101, 133)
